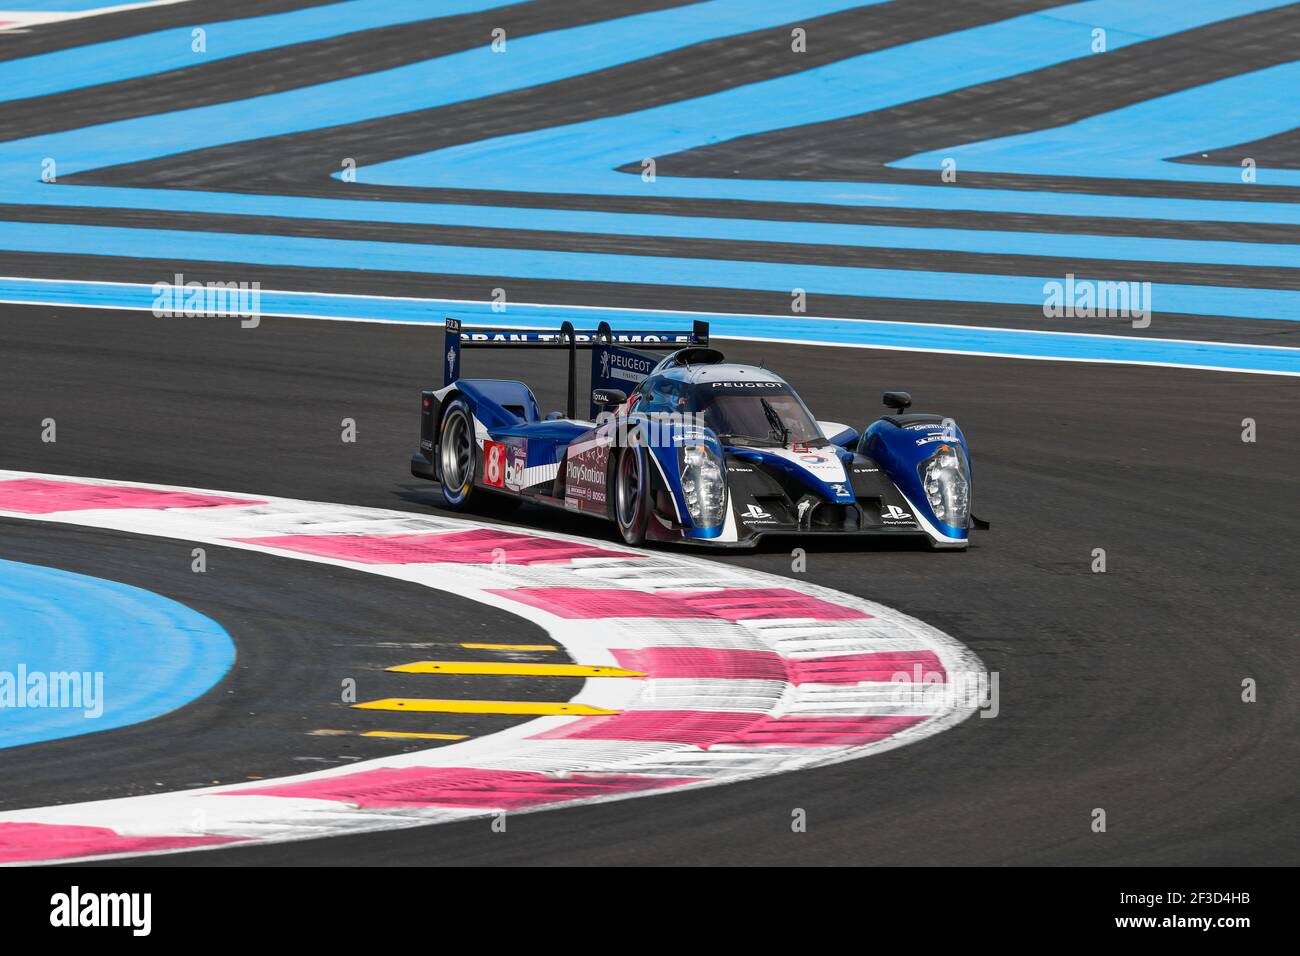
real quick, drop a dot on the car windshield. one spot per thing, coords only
(772, 419)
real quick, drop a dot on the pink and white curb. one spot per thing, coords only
(748, 674)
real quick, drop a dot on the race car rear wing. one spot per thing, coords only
(612, 361)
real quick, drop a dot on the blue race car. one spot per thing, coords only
(689, 447)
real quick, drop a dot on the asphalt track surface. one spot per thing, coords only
(1118, 690)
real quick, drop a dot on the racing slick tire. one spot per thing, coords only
(631, 494)
(457, 460)
(458, 464)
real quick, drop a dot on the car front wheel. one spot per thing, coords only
(632, 494)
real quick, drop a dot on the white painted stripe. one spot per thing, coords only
(20, 19)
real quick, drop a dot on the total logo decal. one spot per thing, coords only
(828, 468)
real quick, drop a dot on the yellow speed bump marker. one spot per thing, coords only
(486, 668)
(386, 733)
(528, 707)
(510, 647)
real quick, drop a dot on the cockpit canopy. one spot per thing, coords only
(742, 405)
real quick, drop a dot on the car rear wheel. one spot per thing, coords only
(456, 455)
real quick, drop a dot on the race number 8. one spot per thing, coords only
(494, 455)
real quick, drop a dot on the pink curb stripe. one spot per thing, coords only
(827, 731)
(39, 496)
(703, 662)
(463, 787)
(707, 729)
(732, 604)
(725, 664)
(481, 546)
(31, 842)
(916, 666)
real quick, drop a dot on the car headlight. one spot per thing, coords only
(703, 486)
(945, 478)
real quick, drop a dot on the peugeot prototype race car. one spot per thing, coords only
(688, 447)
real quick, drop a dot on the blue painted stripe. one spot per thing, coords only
(950, 198)
(1135, 142)
(152, 53)
(546, 57)
(311, 252)
(1014, 343)
(583, 157)
(155, 655)
(466, 75)
(1063, 245)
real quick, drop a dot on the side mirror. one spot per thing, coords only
(898, 401)
(608, 397)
